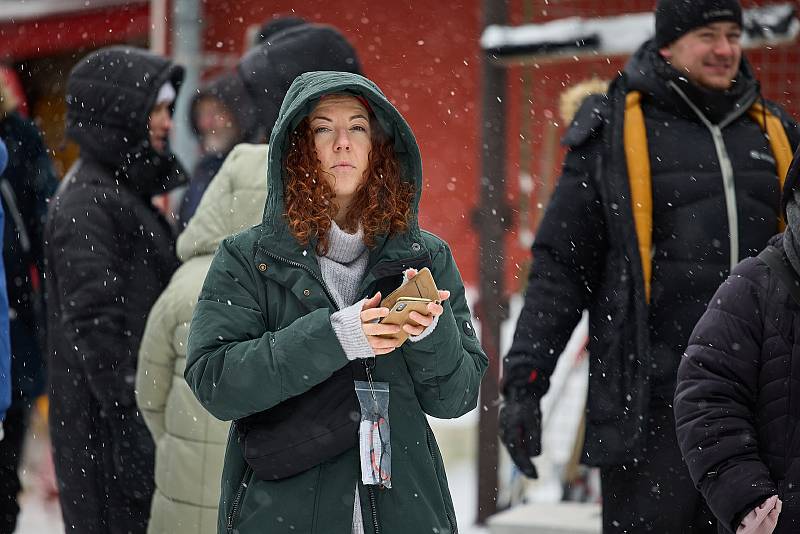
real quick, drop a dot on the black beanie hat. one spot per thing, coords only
(674, 18)
(275, 25)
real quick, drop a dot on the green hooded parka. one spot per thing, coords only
(261, 334)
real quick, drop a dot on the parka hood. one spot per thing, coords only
(110, 94)
(301, 99)
(572, 98)
(233, 202)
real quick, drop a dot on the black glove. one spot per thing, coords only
(521, 432)
(133, 453)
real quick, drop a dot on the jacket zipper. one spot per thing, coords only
(453, 527)
(308, 270)
(237, 500)
(367, 364)
(726, 167)
(373, 509)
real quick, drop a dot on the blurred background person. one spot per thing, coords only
(215, 118)
(25, 188)
(109, 254)
(190, 442)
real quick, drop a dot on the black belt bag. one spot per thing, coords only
(303, 431)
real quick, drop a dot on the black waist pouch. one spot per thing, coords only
(303, 431)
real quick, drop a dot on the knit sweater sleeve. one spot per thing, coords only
(347, 327)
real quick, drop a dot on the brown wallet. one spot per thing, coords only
(421, 286)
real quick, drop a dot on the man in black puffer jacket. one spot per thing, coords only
(671, 178)
(109, 255)
(736, 404)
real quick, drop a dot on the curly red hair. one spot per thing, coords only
(381, 204)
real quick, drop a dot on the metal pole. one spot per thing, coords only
(158, 26)
(187, 51)
(492, 220)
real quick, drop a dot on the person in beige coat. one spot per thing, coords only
(190, 442)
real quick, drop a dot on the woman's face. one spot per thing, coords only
(342, 137)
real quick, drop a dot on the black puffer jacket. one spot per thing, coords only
(586, 255)
(109, 254)
(737, 404)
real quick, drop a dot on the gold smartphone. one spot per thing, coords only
(421, 286)
(398, 314)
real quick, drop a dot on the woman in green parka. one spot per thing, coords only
(288, 319)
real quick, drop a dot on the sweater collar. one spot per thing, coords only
(344, 247)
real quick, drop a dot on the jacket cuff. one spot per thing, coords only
(425, 333)
(346, 325)
(731, 506)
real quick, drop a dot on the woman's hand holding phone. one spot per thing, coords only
(379, 335)
(384, 337)
(434, 309)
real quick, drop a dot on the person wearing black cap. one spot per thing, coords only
(671, 178)
(109, 253)
(737, 388)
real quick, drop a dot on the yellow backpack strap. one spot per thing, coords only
(638, 161)
(778, 142)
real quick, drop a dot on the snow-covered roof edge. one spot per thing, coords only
(622, 35)
(15, 11)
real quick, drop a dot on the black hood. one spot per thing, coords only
(266, 71)
(649, 73)
(110, 94)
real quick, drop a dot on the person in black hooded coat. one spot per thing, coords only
(109, 254)
(736, 403)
